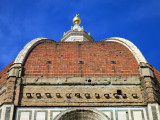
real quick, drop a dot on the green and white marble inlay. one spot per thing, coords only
(122, 115)
(154, 113)
(137, 115)
(24, 115)
(41, 115)
(7, 114)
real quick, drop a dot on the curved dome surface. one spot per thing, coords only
(77, 59)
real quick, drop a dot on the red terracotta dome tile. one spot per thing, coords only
(76, 59)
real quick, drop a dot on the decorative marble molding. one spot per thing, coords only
(74, 35)
(134, 112)
(7, 111)
(26, 50)
(153, 111)
(82, 80)
(15, 70)
(100, 114)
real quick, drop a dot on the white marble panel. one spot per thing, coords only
(24, 116)
(137, 115)
(54, 114)
(40, 116)
(122, 115)
(108, 114)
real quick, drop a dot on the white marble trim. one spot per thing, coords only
(135, 51)
(27, 48)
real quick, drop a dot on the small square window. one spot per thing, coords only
(80, 62)
(48, 62)
(113, 62)
(119, 92)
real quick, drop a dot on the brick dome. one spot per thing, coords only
(108, 58)
(78, 78)
(77, 59)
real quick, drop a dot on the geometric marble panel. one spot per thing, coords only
(25, 116)
(40, 116)
(122, 115)
(109, 114)
(137, 115)
(54, 114)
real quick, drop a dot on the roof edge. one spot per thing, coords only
(135, 51)
(27, 48)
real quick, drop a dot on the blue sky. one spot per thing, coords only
(24, 20)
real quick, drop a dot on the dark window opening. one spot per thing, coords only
(48, 62)
(119, 92)
(81, 62)
(113, 62)
(89, 80)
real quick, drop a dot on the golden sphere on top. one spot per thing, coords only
(76, 19)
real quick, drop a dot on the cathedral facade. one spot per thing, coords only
(79, 78)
